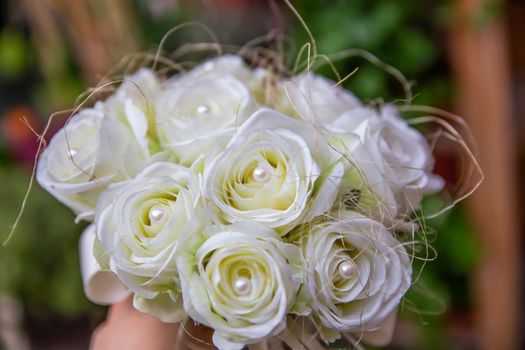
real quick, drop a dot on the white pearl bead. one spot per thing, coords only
(72, 152)
(242, 286)
(261, 175)
(156, 213)
(347, 269)
(203, 109)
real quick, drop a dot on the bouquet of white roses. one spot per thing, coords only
(266, 209)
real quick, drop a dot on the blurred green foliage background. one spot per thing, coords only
(42, 74)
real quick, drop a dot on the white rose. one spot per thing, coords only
(316, 99)
(241, 280)
(138, 223)
(139, 87)
(133, 104)
(84, 157)
(389, 163)
(276, 170)
(356, 273)
(194, 115)
(233, 65)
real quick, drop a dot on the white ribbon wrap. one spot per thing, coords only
(100, 286)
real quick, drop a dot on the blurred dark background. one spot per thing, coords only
(467, 56)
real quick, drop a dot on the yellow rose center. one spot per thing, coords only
(262, 183)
